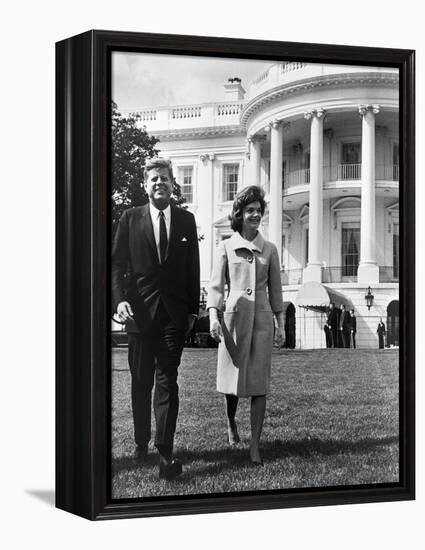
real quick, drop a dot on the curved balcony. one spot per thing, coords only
(285, 73)
(339, 274)
(339, 173)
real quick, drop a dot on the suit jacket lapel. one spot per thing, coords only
(147, 229)
(172, 241)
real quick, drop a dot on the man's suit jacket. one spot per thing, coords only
(175, 282)
(333, 318)
(352, 323)
(343, 319)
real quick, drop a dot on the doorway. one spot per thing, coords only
(290, 327)
(393, 324)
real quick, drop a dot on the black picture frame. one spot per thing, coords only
(82, 306)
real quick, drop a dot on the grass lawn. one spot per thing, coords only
(331, 419)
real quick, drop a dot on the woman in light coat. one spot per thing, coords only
(250, 267)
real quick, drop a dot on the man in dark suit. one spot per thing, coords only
(155, 291)
(344, 341)
(332, 322)
(352, 327)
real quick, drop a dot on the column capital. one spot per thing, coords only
(205, 157)
(363, 109)
(318, 113)
(276, 124)
(256, 138)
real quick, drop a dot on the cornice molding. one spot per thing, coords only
(388, 80)
(202, 132)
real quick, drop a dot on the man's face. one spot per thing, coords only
(159, 187)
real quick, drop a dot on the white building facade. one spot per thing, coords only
(323, 141)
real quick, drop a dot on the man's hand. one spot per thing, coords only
(215, 330)
(190, 323)
(280, 336)
(124, 311)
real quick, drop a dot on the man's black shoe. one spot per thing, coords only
(170, 470)
(141, 453)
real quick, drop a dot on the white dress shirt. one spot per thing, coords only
(154, 212)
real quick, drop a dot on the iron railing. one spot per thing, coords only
(388, 274)
(339, 274)
(291, 276)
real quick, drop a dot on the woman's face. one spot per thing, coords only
(251, 215)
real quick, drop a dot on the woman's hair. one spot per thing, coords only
(243, 198)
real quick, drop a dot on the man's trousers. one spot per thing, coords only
(154, 357)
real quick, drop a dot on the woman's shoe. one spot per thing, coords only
(255, 458)
(233, 436)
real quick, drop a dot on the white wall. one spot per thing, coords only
(27, 278)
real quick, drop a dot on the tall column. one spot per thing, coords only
(368, 268)
(276, 205)
(313, 271)
(206, 213)
(254, 160)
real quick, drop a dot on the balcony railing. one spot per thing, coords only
(340, 274)
(291, 276)
(297, 177)
(223, 113)
(388, 172)
(341, 172)
(349, 171)
(187, 112)
(388, 274)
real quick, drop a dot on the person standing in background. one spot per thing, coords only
(342, 325)
(332, 321)
(352, 329)
(381, 334)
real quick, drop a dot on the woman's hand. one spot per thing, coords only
(280, 336)
(215, 330)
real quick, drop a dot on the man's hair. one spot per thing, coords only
(243, 198)
(158, 162)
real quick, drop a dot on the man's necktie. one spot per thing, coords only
(163, 240)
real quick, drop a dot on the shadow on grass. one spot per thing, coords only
(218, 460)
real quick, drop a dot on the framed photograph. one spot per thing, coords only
(235, 275)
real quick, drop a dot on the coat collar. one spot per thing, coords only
(236, 241)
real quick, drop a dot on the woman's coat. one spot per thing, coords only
(251, 271)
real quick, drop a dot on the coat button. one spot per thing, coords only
(250, 258)
(249, 291)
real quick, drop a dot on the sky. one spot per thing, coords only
(143, 80)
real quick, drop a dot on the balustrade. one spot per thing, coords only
(226, 109)
(289, 67)
(187, 112)
(349, 172)
(147, 115)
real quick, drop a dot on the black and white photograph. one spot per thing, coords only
(212, 231)
(255, 268)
